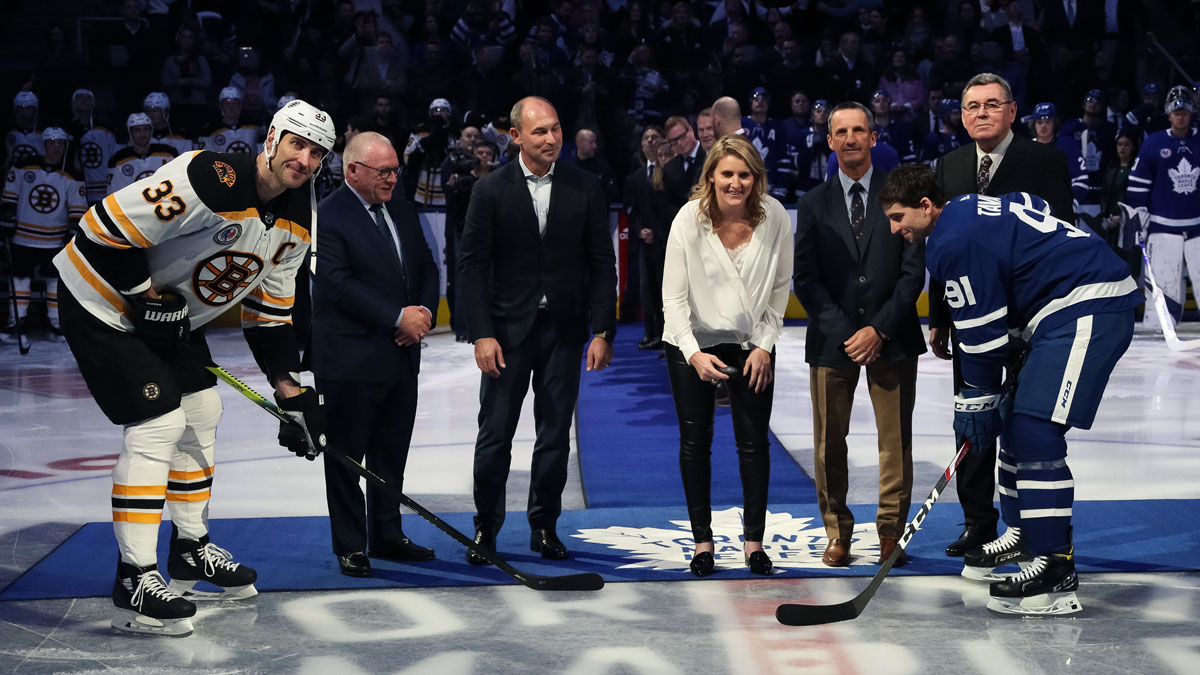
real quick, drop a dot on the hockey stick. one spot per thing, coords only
(570, 582)
(1160, 306)
(23, 344)
(815, 615)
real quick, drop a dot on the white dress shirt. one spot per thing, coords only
(997, 154)
(707, 301)
(539, 190)
(848, 182)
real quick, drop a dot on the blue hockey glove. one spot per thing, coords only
(306, 436)
(977, 417)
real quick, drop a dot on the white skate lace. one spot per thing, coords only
(1009, 539)
(214, 556)
(151, 583)
(1034, 569)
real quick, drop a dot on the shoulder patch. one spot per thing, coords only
(225, 173)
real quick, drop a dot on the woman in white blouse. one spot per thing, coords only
(726, 283)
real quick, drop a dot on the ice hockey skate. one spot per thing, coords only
(1008, 549)
(1045, 588)
(191, 562)
(145, 605)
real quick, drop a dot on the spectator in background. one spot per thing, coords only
(132, 55)
(1112, 194)
(917, 36)
(683, 171)
(480, 89)
(378, 69)
(947, 136)
(645, 88)
(892, 129)
(727, 116)
(433, 78)
(789, 74)
(460, 173)
(1019, 39)
(706, 130)
(589, 87)
(482, 23)
(951, 69)
(850, 75)
(187, 79)
(58, 72)
(257, 85)
(587, 159)
(427, 147)
(636, 196)
(902, 85)
(532, 78)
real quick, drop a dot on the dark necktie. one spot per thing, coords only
(685, 165)
(377, 214)
(649, 172)
(858, 210)
(985, 174)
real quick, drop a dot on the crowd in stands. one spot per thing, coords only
(209, 73)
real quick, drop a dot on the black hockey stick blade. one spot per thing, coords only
(571, 582)
(23, 343)
(816, 615)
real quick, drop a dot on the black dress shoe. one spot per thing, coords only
(973, 535)
(759, 563)
(354, 564)
(484, 541)
(547, 543)
(401, 550)
(644, 343)
(703, 564)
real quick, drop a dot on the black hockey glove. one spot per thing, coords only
(306, 435)
(163, 321)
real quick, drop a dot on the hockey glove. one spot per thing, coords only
(977, 417)
(305, 436)
(163, 321)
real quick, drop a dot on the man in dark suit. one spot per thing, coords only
(859, 284)
(537, 268)
(998, 162)
(647, 240)
(682, 172)
(374, 296)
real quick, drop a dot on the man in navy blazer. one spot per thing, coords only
(375, 294)
(859, 284)
(537, 269)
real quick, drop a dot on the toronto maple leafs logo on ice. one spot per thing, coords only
(1184, 177)
(790, 542)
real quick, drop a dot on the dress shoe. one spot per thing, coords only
(837, 553)
(484, 541)
(973, 536)
(547, 543)
(644, 343)
(354, 564)
(759, 563)
(703, 564)
(401, 550)
(886, 546)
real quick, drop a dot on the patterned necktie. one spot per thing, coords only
(377, 214)
(985, 174)
(858, 210)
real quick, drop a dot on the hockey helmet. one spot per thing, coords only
(230, 93)
(25, 99)
(55, 134)
(304, 120)
(1178, 98)
(83, 92)
(157, 99)
(138, 120)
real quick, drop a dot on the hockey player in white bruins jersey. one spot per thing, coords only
(23, 143)
(93, 145)
(141, 158)
(41, 204)
(229, 134)
(152, 264)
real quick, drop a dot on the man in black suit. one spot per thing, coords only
(682, 172)
(859, 284)
(374, 296)
(647, 240)
(537, 267)
(998, 162)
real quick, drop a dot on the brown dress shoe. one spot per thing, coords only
(886, 546)
(837, 553)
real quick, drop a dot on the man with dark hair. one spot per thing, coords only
(997, 162)
(1009, 266)
(537, 278)
(859, 284)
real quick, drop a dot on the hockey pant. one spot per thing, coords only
(1167, 253)
(168, 459)
(1036, 486)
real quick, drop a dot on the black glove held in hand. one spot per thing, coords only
(306, 436)
(163, 321)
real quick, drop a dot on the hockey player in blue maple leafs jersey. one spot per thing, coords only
(1010, 268)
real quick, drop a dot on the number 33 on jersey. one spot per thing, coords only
(196, 226)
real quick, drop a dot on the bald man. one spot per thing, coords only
(727, 116)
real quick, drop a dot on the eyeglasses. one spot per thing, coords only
(384, 174)
(677, 138)
(991, 106)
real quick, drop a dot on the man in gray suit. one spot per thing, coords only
(859, 284)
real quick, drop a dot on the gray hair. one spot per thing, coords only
(985, 79)
(357, 148)
(855, 105)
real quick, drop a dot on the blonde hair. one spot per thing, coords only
(733, 145)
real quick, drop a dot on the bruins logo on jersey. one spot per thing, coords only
(92, 155)
(239, 146)
(220, 278)
(44, 198)
(225, 173)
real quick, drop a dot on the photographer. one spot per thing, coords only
(424, 153)
(471, 160)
